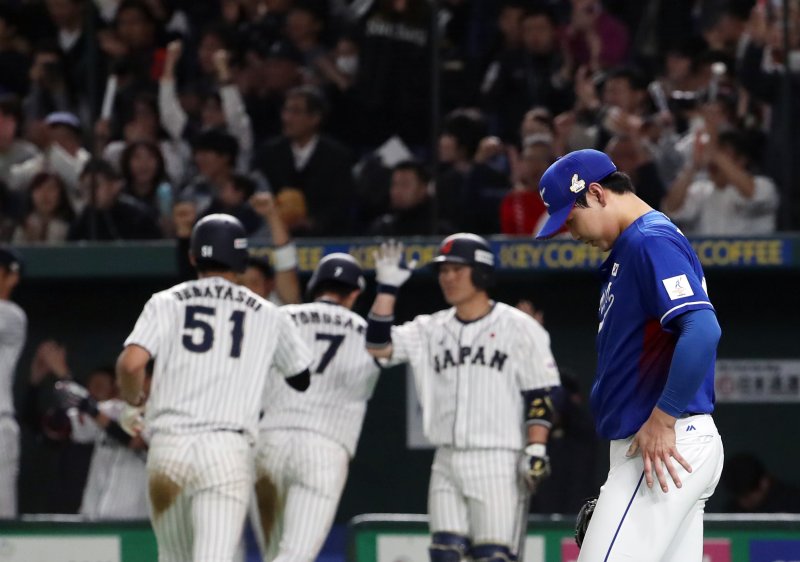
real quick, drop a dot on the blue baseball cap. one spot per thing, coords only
(565, 180)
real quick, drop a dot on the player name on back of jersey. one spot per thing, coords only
(332, 319)
(222, 292)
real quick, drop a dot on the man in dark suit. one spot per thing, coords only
(312, 163)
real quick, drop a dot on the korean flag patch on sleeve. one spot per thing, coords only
(678, 287)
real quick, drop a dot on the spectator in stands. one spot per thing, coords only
(13, 149)
(64, 156)
(395, 54)
(222, 109)
(411, 206)
(259, 277)
(14, 52)
(232, 199)
(141, 121)
(594, 37)
(732, 200)
(532, 75)
(133, 39)
(318, 166)
(754, 490)
(215, 156)
(469, 190)
(522, 208)
(74, 46)
(629, 152)
(762, 69)
(48, 211)
(270, 72)
(48, 92)
(109, 213)
(145, 176)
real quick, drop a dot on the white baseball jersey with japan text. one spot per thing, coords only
(13, 330)
(306, 440)
(470, 375)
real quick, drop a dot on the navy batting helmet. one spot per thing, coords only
(472, 250)
(219, 240)
(339, 267)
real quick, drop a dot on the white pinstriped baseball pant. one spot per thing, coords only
(199, 488)
(308, 472)
(9, 466)
(475, 493)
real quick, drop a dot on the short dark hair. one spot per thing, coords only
(736, 141)
(100, 167)
(468, 127)
(635, 78)
(203, 265)
(11, 106)
(618, 182)
(413, 166)
(243, 184)
(64, 209)
(341, 290)
(217, 141)
(541, 12)
(152, 148)
(316, 103)
(262, 265)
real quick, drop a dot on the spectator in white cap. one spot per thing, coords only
(63, 156)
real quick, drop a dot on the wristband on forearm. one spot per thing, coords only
(379, 330)
(387, 289)
(538, 407)
(89, 406)
(284, 257)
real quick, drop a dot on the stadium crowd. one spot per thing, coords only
(116, 116)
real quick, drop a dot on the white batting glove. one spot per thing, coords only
(389, 267)
(131, 419)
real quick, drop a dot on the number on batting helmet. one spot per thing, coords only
(339, 267)
(472, 250)
(219, 240)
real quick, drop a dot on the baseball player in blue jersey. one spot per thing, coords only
(656, 347)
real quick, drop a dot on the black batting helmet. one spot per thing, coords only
(219, 240)
(472, 250)
(339, 267)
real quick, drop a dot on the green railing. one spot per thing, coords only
(158, 259)
(728, 538)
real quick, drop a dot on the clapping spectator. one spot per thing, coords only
(110, 214)
(594, 37)
(731, 200)
(763, 68)
(63, 156)
(49, 212)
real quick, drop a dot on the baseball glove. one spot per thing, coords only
(584, 517)
(70, 394)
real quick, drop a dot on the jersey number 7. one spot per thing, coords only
(193, 322)
(334, 341)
